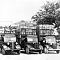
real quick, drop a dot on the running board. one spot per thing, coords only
(54, 50)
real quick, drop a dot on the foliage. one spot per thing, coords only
(48, 15)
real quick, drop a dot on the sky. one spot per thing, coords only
(12, 11)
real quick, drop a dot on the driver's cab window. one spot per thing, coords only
(34, 32)
(23, 31)
(51, 32)
(29, 32)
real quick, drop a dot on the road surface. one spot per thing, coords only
(31, 56)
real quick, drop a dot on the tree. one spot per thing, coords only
(48, 15)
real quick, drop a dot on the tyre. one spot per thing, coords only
(40, 52)
(3, 51)
(18, 52)
(45, 50)
(0, 49)
(57, 52)
(27, 50)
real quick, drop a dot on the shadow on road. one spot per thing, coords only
(31, 52)
(23, 52)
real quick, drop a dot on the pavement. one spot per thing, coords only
(32, 56)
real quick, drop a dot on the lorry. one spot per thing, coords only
(38, 38)
(9, 44)
(28, 39)
(47, 38)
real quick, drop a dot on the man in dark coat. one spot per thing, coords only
(1, 41)
(2, 38)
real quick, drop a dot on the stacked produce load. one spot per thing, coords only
(46, 29)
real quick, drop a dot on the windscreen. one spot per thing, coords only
(29, 31)
(23, 31)
(34, 32)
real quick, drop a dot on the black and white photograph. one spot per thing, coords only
(30, 29)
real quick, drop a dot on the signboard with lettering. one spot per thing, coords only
(46, 26)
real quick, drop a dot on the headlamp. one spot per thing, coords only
(18, 47)
(5, 46)
(43, 40)
(8, 43)
(40, 47)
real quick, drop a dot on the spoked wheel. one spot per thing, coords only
(3, 51)
(27, 50)
(18, 52)
(45, 50)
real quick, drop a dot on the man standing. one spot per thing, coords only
(1, 41)
(2, 38)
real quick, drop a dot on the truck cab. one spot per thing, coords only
(10, 45)
(29, 41)
(46, 32)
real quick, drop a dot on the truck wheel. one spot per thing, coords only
(45, 50)
(3, 51)
(40, 52)
(57, 52)
(18, 52)
(27, 50)
(0, 49)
